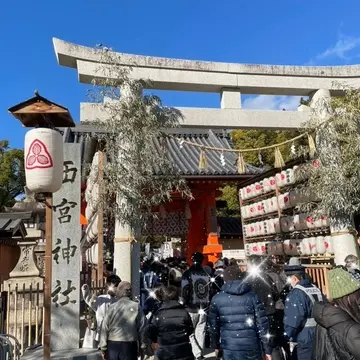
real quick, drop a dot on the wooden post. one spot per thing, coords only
(48, 277)
(100, 212)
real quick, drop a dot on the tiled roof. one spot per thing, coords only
(186, 159)
(11, 227)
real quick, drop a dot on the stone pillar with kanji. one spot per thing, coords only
(65, 291)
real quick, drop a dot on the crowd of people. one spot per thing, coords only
(267, 312)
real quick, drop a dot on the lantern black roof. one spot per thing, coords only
(39, 111)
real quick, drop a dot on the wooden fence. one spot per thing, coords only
(22, 312)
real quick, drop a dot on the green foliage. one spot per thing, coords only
(229, 194)
(12, 175)
(251, 139)
(336, 180)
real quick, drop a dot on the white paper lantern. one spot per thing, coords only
(260, 208)
(262, 248)
(252, 210)
(329, 244)
(93, 201)
(253, 190)
(310, 222)
(248, 192)
(92, 229)
(285, 223)
(89, 212)
(272, 181)
(320, 245)
(255, 249)
(312, 246)
(247, 249)
(44, 160)
(258, 189)
(275, 248)
(277, 226)
(306, 246)
(92, 255)
(266, 185)
(291, 247)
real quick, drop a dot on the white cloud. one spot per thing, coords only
(270, 102)
(341, 49)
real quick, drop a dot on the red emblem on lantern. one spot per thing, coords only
(38, 156)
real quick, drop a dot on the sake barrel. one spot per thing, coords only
(44, 160)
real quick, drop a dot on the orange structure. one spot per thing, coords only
(194, 221)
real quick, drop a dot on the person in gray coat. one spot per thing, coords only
(123, 327)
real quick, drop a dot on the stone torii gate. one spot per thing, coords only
(229, 81)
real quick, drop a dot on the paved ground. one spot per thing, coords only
(81, 354)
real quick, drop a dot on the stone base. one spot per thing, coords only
(76, 354)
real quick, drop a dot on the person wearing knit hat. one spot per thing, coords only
(299, 323)
(338, 330)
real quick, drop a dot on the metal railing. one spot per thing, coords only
(9, 347)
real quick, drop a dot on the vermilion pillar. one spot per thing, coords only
(196, 232)
(203, 222)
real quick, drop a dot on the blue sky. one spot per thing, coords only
(260, 31)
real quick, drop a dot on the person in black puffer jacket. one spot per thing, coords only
(337, 335)
(170, 328)
(238, 318)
